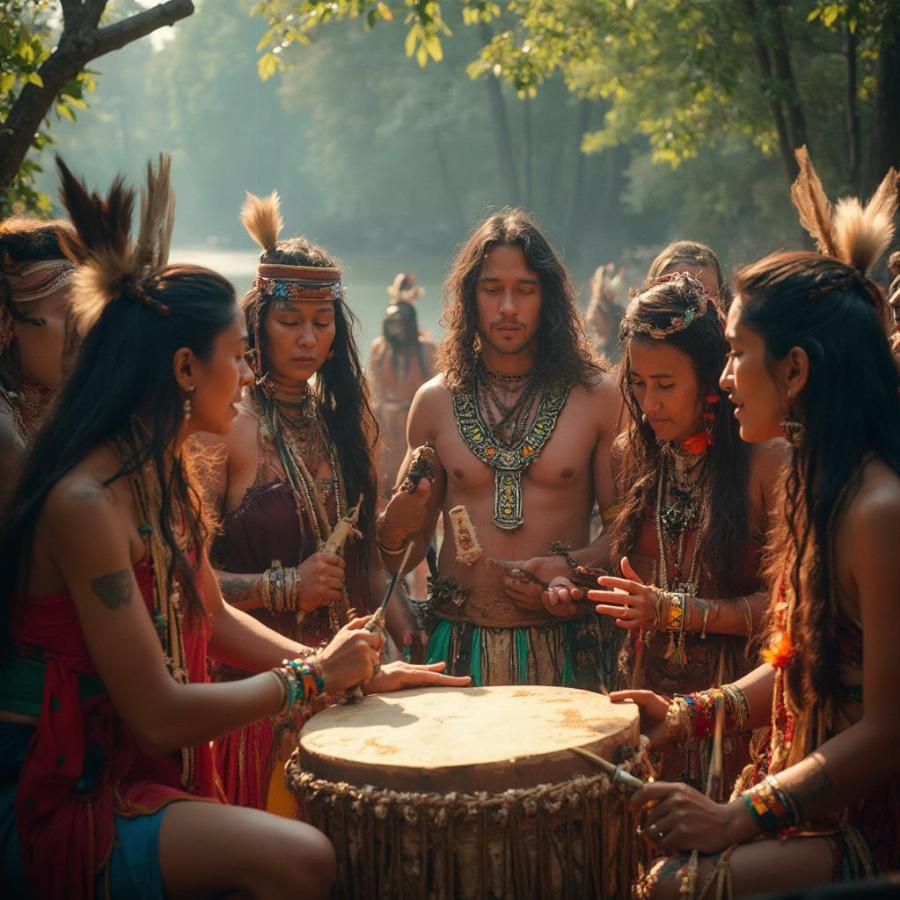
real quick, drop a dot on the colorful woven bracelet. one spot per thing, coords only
(772, 807)
(309, 677)
(701, 713)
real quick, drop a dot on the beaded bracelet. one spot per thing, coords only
(302, 681)
(694, 715)
(771, 806)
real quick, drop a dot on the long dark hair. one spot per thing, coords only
(849, 408)
(403, 348)
(340, 384)
(562, 351)
(727, 467)
(124, 369)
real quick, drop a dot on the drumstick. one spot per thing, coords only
(378, 615)
(616, 773)
(376, 623)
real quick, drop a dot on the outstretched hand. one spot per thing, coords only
(653, 709)
(398, 675)
(633, 605)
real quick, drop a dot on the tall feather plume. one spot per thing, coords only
(862, 233)
(101, 244)
(261, 216)
(157, 217)
(812, 204)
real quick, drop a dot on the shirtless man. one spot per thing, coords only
(522, 421)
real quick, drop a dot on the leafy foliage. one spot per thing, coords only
(27, 34)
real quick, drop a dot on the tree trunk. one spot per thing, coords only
(854, 140)
(764, 64)
(453, 193)
(81, 41)
(886, 121)
(506, 157)
(576, 204)
(784, 73)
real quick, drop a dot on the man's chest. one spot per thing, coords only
(563, 459)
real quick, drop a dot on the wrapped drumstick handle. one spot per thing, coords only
(421, 466)
(344, 529)
(617, 774)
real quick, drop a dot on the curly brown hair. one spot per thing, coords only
(562, 350)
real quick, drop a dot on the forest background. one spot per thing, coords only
(622, 124)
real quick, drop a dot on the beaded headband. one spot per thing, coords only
(678, 323)
(298, 283)
(34, 281)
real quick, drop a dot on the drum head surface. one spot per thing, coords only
(466, 739)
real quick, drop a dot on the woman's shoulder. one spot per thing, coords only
(89, 494)
(876, 503)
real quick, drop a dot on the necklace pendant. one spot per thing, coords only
(508, 499)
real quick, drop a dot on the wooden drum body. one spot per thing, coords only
(472, 792)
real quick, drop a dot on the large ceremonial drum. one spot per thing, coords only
(471, 792)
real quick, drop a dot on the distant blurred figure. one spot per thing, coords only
(697, 259)
(36, 334)
(604, 312)
(894, 301)
(400, 361)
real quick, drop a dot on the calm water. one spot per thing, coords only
(365, 284)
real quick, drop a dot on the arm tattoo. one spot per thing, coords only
(114, 589)
(239, 588)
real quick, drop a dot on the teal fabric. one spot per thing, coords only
(568, 672)
(22, 684)
(475, 667)
(438, 649)
(522, 655)
(133, 865)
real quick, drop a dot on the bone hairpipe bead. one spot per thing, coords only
(468, 550)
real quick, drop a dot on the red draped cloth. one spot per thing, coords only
(83, 767)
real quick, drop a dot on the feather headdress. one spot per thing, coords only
(261, 216)
(110, 263)
(851, 232)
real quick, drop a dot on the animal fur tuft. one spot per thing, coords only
(261, 216)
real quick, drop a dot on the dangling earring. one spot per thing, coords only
(709, 416)
(188, 406)
(794, 430)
